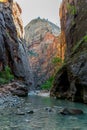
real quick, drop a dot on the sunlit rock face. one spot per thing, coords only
(16, 11)
(73, 17)
(12, 46)
(43, 43)
(3, 1)
(71, 80)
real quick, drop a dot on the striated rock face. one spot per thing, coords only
(73, 21)
(71, 80)
(43, 42)
(12, 47)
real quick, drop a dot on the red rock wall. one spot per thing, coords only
(43, 39)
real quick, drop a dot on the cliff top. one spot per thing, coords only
(43, 24)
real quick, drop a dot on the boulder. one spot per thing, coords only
(30, 112)
(66, 111)
(19, 90)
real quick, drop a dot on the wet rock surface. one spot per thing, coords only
(66, 111)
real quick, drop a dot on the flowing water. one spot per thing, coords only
(19, 118)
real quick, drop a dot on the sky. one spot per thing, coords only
(48, 9)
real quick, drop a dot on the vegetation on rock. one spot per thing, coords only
(84, 39)
(72, 9)
(57, 60)
(48, 84)
(6, 76)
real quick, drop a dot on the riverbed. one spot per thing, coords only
(42, 113)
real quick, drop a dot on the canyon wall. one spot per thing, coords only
(44, 46)
(12, 46)
(71, 80)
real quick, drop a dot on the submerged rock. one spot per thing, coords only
(67, 111)
(30, 112)
(49, 109)
(20, 113)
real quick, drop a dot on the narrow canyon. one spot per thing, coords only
(43, 57)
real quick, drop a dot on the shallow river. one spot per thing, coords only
(19, 118)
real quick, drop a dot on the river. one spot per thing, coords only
(46, 115)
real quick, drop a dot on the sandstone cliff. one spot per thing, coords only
(43, 42)
(12, 46)
(71, 80)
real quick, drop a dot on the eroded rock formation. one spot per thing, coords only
(43, 42)
(71, 80)
(12, 46)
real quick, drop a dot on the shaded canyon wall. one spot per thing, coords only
(12, 46)
(71, 80)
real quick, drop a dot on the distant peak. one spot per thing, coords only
(43, 24)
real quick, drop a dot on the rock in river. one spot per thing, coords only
(66, 111)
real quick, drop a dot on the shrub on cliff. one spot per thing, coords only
(71, 9)
(48, 84)
(56, 60)
(6, 76)
(84, 39)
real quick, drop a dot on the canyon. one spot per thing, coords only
(30, 56)
(30, 59)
